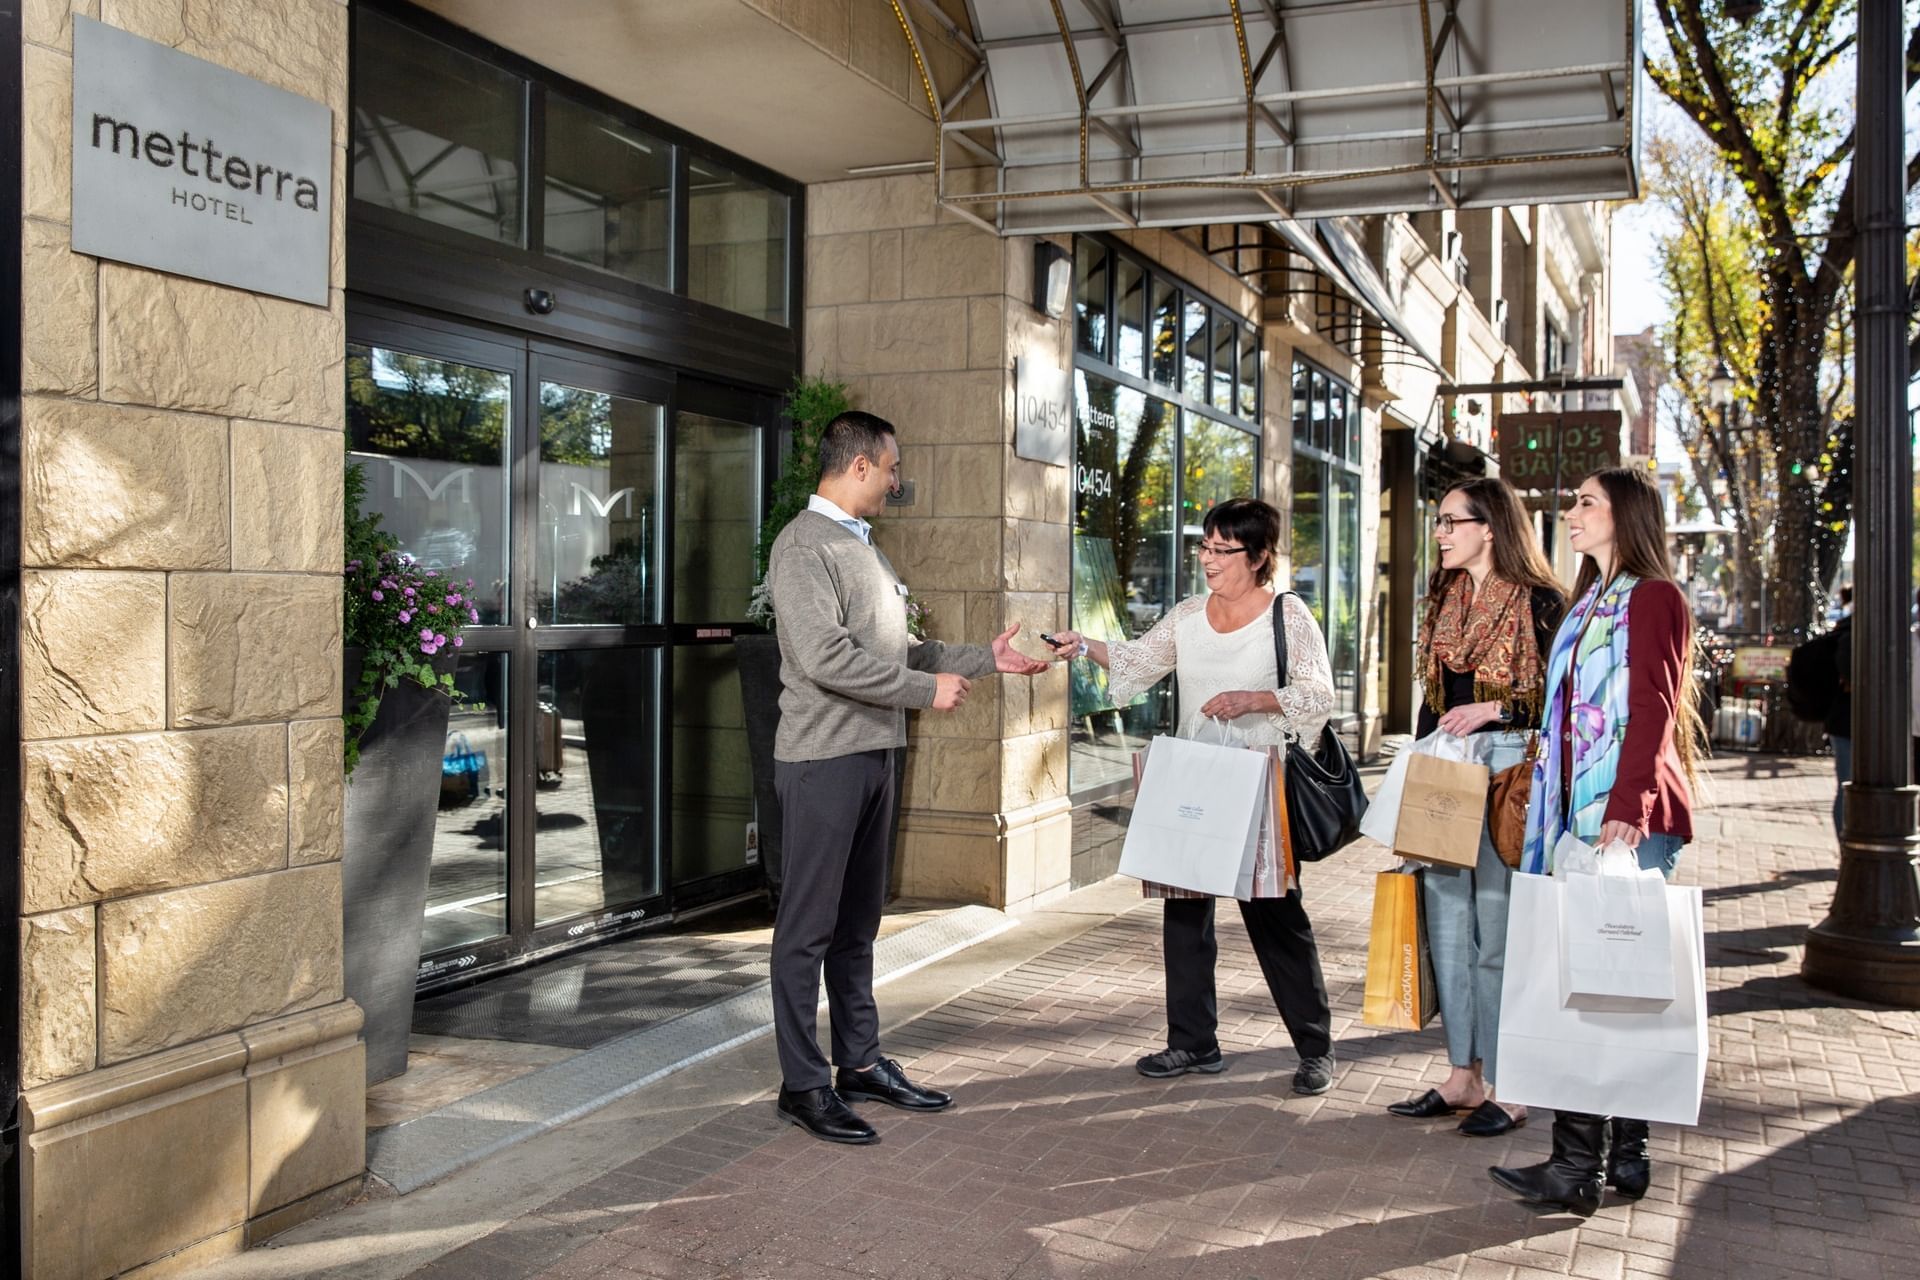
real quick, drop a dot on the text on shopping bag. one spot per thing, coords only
(1443, 809)
(1197, 817)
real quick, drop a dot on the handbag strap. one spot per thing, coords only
(1280, 636)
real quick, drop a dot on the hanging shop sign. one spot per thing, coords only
(1556, 451)
(184, 166)
(1043, 411)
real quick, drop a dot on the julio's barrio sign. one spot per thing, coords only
(1043, 411)
(188, 167)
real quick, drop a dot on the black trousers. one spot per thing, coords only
(835, 826)
(1289, 958)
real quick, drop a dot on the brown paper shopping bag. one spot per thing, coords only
(1399, 992)
(1442, 811)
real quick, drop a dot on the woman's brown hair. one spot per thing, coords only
(1517, 556)
(1640, 548)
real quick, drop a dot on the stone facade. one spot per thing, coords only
(192, 1070)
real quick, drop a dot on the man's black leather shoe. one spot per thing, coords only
(824, 1114)
(885, 1082)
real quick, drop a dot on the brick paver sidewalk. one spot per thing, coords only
(1060, 1161)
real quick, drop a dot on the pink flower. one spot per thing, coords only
(433, 608)
(378, 595)
(406, 615)
(473, 615)
(453, 597)
(439, 640)
(408, 592)
(458, 641)
(429, 650)
(426, 634)
(432, 574)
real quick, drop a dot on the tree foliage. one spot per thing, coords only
(1773, 101)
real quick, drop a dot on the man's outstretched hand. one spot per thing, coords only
(1011, 661)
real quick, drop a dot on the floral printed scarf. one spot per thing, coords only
(1590, 662)
(1493, 640)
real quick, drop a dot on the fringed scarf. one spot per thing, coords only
(1490, 635)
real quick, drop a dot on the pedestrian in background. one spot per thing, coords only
(1220, 647)
(849, 668)
(1492, 607)
(1619, 733)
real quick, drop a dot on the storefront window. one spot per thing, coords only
(1166, 333)
(736, 243)
(598, 559)
(1130, 302)
(1218, 461)
(1090, 298)
(436, 134)
(1249, 372)
(609, 200)
(1193, 373)
(1326, 520)
(1123, 563)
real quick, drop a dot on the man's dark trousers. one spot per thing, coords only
(836, 822)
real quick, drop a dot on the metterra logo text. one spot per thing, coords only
(164, 151)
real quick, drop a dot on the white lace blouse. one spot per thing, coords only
(1207, 662)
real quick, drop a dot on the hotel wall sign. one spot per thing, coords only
(1043, 411)
(188, 167)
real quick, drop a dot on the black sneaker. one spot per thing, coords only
(1314, 1076)
(1177, 1062)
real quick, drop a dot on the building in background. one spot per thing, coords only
(572, 257)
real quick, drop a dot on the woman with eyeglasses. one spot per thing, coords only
(1220, 647)
(1492, 606)
(1621, 725)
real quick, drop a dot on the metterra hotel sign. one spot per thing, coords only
(188, 167)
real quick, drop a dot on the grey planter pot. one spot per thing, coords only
(759, 665)
(392, 798)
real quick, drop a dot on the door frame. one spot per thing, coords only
(530, 359)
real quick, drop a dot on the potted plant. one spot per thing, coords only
(811, 405)
(403, 623)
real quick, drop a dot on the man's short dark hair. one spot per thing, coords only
(852, 435)
(1253, 524)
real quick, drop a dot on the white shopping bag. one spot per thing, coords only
(1197, 817)
(1647, 1065)
(1615, 952)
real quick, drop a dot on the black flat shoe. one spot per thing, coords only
(1425, 1107)
(825, 1115)
(1490, 1120)
(885, 1082)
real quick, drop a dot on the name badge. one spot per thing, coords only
(901, 587)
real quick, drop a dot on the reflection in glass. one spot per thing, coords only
(1130, 301)
(716, 501)
(1123, 565)
(713, 777)
(1309, 534)
(609, 194)
(1225, 345)
(1249, 373)
(1219, 464)
(432, 437)
(1317, 434)
(1336, 419)
(1354, 436)
(436, 134)
(599, 507)
(1302, 396)
(594, 844)
(1166, 333)
(1090, 297)
(1193, 378)
(736, 243)
(1343, 622)
(467, 884)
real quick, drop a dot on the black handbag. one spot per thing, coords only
(1324, 795)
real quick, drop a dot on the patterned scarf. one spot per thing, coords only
(1592, 646)
(1494, 641)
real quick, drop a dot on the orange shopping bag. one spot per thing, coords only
(1399, 992)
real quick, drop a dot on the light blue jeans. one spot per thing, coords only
(1467, 932)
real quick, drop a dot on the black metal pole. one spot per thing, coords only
(1868, 947)
(1553, 502)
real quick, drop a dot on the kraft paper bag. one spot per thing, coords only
(1198, 816)
(1400, 991)
(1614, 949)
(1443, 809)
(1647, 1065)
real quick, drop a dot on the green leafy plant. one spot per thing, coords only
(398, 612)
(810, 406)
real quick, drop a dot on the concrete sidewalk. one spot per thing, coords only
(1060, 1161)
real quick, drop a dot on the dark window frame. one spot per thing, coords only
(1332, 457)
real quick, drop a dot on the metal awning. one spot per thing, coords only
(1373, 290)
(1106, 114)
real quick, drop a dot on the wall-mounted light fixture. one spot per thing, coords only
(1052, 278)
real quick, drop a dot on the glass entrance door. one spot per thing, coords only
(607, 517)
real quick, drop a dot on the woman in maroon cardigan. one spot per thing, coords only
(1619, 734)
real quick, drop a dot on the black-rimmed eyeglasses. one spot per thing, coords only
(1444, 524)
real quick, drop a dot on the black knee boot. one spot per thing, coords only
(1572, 1177)
(1629, 1166)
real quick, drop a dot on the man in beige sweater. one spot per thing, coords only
(849, 670)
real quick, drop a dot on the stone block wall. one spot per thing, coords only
(922, 316)
(192, 1068)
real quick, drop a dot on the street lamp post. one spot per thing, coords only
(1868, 947)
